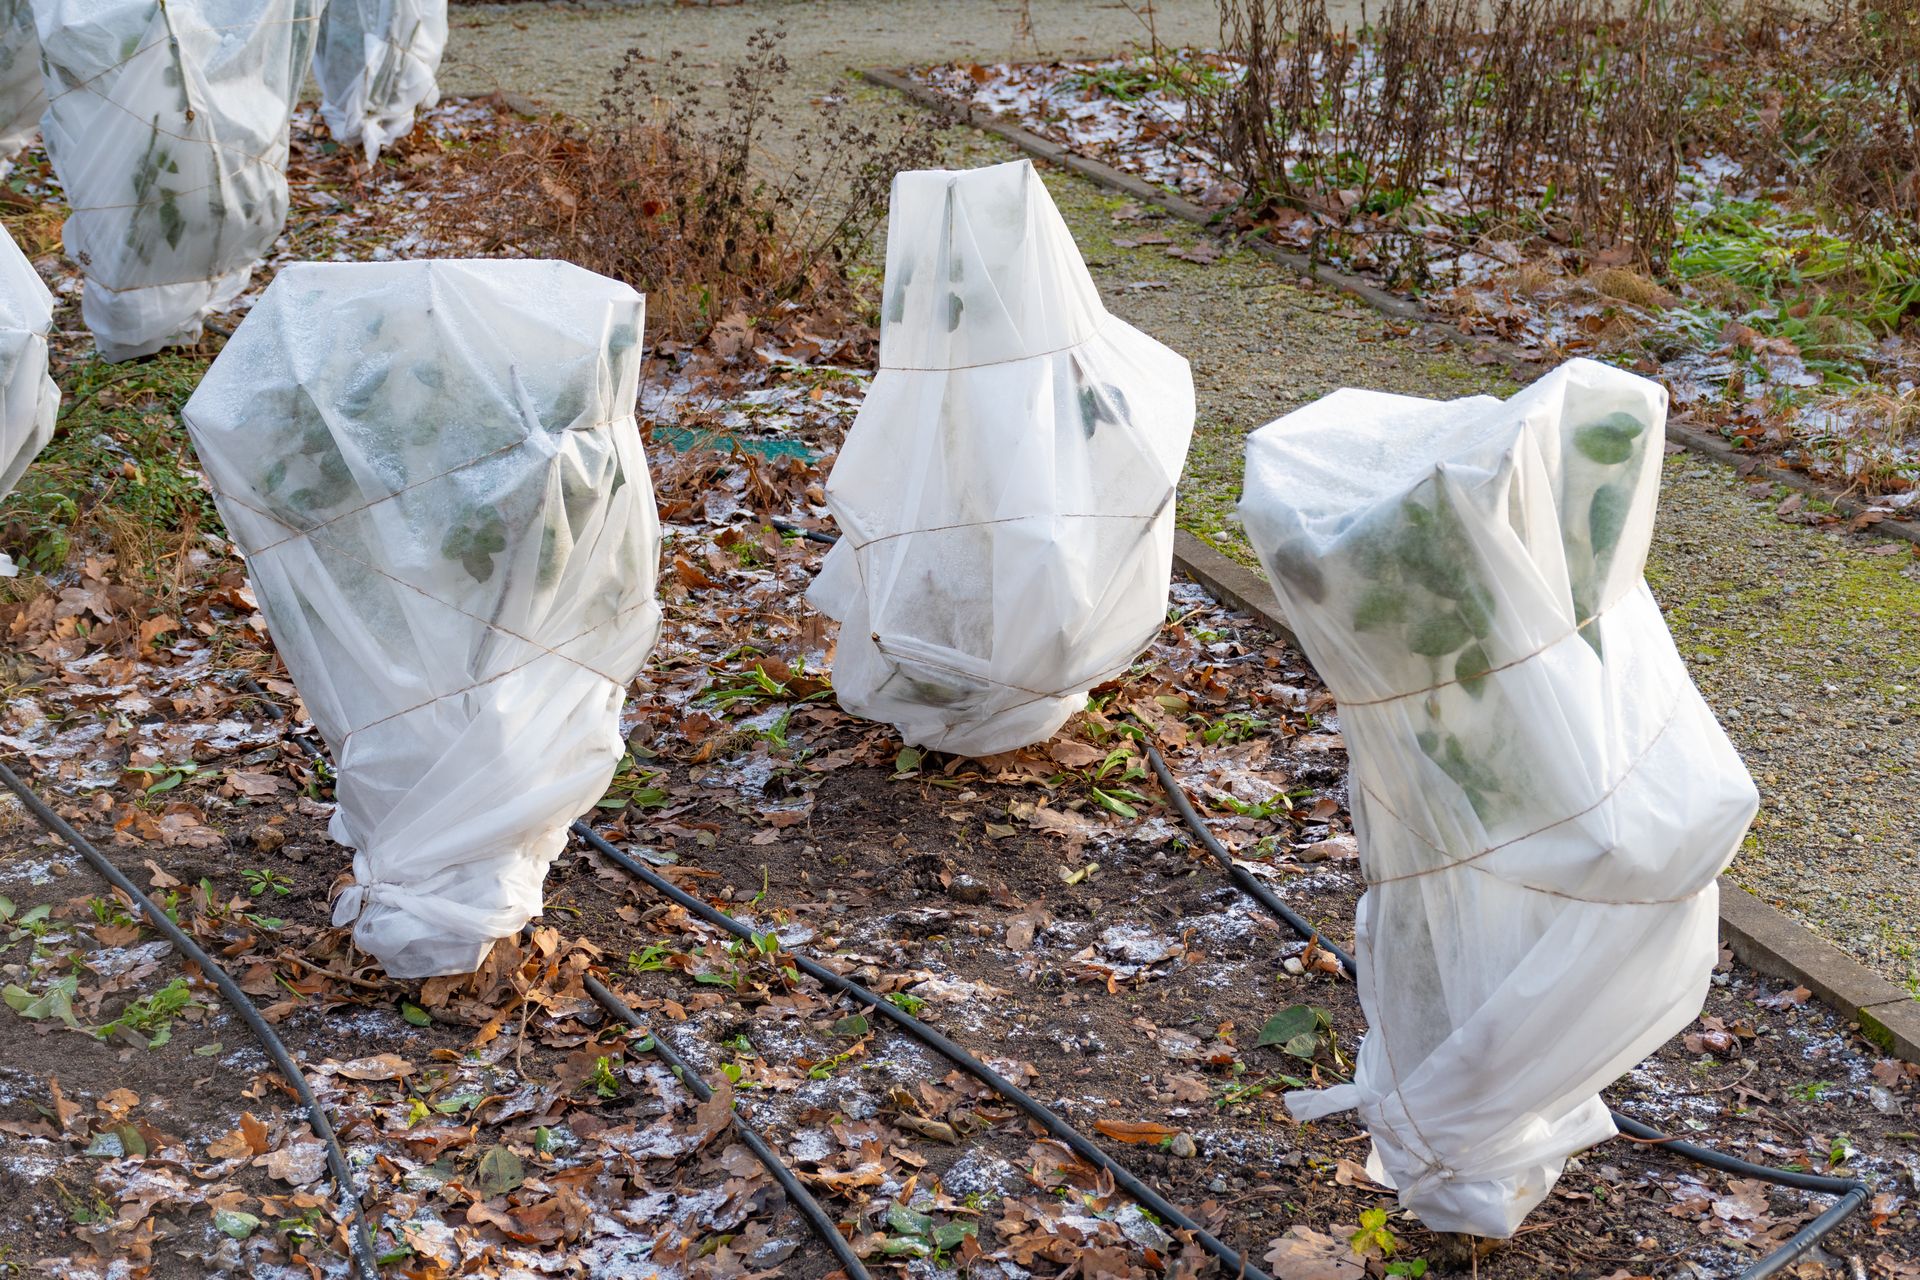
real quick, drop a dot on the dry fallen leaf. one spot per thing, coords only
(298, 1162)
(381, 1066)
(1306, 1254)
(1135, 1131)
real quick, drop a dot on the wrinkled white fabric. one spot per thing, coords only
(376, 63)
(1542, 797)
(29, 402)
(22, 97)
(167, 125)
(1005, 496)
(434, 473)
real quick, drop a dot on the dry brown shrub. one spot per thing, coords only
(673, 190)
(1553, 117)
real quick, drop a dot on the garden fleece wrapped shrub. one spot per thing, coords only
(29, 402)
(434, 473)
(22, 97)
(376, 62)
(1005, 497)
(1542, 797)
(167, 125)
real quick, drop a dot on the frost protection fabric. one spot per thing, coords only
(1542, 798)
(376, 62)
(1005, 497)
(29, 401)
(167, 125)
(22, 98)
(434, 473)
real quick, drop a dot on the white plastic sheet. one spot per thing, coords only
(376, 63)
(1542, 798)
(167, 125)
(22, 97)
(434, 473)
(29, 401)
(1005, 497)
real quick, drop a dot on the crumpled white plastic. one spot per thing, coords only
(1005, 496)
(167, 125)
(1543, 800)
(375, 63)
(434, 473)
(22, 96)
(29, 401)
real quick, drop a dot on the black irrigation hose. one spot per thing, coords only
(1852, 1191)
(802, 1199)
(1237, 1265)
(811, 535)
(1248, 883)
(317, 1118)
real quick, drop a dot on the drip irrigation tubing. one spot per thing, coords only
(1852, 1191)
(1237, 1265)
(802, 1200)
(800, 531)
(361, 1243)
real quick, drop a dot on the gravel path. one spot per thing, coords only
(1803, 641)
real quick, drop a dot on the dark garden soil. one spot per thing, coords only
(1043, 907)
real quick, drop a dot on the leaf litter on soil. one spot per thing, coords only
(502, 1125)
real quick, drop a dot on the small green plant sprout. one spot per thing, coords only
(1374, 1238)
(916, 1235)
(1280, 803)
(152, 1016)
(56, 1001)
(1813, 1090)
(1107, 782)
(632, 788)
(261, 881)
(1410, 1267)
(109, 913)
(907, 1003)
(164, 777)
(603, 1080)
(653, 958)
(1297, 1030)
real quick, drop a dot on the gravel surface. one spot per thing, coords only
(1803, 641)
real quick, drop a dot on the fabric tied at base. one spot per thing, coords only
(1542, 798)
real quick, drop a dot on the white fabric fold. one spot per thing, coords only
(1543, 800)
(22, 96)
(29, 401)
(1005, 496)
(167, 125)
(376, 64)
(435, 475)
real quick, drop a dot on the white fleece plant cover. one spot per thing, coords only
(167, 125)
(22, 97)
(29, 401)
(1005, 497)
(1542, 798)
(434, 473)
(376, 62)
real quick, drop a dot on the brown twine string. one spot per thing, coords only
(1577, 628)
(171, 38)
(982, 524)
(1098, 330)
(405, 489)
(490, 624)
(1472, 860)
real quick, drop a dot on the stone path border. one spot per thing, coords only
(1762, 937)
(1404, 309)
